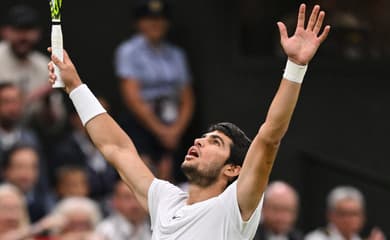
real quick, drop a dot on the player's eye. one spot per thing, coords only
(216, 142)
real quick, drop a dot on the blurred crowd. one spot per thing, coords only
(360, 29)
(54, 184)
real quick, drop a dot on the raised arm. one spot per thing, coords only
(105, 133)
(300, 49)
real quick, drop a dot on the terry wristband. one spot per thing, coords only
(294, 72)
(86, 104)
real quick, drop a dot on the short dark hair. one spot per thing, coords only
(22, 17)
(15, 148)
(62, 171)
(240, 145)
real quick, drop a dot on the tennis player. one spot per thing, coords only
(213, 208)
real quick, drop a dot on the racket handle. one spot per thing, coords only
(57, 50)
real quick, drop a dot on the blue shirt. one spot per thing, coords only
(161, 72)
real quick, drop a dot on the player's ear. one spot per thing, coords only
(231, 170)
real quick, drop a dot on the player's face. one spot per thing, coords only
(348, 217)
(205, 160)
(153, 28)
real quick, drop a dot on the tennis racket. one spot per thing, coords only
(56, 38)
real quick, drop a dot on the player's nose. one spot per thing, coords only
(198, 142)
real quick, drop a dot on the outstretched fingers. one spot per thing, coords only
(324, 34)
(313, 18)
(282, 31)
(319, 22)
(301, 16)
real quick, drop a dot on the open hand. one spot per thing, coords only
(302, 46)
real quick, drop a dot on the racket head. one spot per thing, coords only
(55, 9)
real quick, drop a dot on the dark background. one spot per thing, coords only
(339, 133)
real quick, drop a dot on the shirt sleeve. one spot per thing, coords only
(246, 228)
(159, 192)
(185, 77)
(126, 64)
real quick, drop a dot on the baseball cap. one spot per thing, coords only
(22, 16)
(152, 8)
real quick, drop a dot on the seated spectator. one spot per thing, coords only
(80, 217)
(13, 213)
(72, 181)
(76, 149)
(11, 111)
(129, 220)
(346, 216)
(280, 210)
(21, 168)
(21, 65)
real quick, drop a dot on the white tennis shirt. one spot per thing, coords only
(217, 218)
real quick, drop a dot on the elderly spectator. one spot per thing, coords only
(79, 218)
(280, 210)
(13, 213)
(129, 220)
(21, 168)
(346, 216)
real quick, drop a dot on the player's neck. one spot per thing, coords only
(197, 193)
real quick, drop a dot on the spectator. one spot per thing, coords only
(21, 168)
(11, 111)
(19, 63)
(13, 213)
(80, 217)
(72, 181)
(346, 216)
(129, 220)
(280, 210)
(27, 68)
(76, 149)
(155, 84)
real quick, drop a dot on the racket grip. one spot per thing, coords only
(58, 51)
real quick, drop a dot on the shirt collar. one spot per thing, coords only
(335, 233)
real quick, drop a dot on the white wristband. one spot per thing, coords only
(86, 104)
(294, 72)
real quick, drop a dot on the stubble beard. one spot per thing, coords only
(200, 178)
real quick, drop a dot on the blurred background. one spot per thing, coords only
(339, 132)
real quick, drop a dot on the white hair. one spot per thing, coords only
(342, 193)
(5, 190)
(79, 204)
(278, 186)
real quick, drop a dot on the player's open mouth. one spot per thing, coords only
(193, 152)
